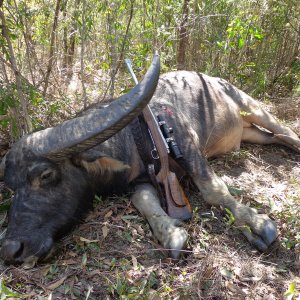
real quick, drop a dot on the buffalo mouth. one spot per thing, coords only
(25, 252)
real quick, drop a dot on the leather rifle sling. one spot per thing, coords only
(178, 205)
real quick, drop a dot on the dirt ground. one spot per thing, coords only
(113, 255)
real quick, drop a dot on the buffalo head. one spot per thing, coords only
(51, 192)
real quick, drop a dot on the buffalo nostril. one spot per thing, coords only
(11, 250)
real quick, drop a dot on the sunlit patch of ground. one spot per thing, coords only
(113, 255)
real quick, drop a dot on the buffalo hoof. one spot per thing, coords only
(29, 262)
(169, 234)
(262, 233)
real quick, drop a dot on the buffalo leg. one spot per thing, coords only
(165, 229)
(259, 229)
(282, 134)
(256, 136)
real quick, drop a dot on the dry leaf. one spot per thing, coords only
(45, 271)
(94, 273)
(105, 231)
(69, 262)
(139, 229)
(84, 260)
(226, 273)
(153, 295)
(134, 262)
(108, 214)
(56, 283)
(72, 254)
(237, 271)
(82, 239)
(233, 288)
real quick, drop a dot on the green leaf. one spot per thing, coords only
(258, 36)
(6, 292)
(292, 291)
(230, 218)
(84, 260)
(235, 191)
(244, 113)
(241, 42)
(250, 64)
(5, 206)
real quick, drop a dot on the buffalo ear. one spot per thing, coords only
(110, 165)
(99, 164)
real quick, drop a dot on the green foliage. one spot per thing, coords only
(122, 289)
(253, 44)
(290, 219)
(54, 269)
(239, 154)
(229, 218)
(8, 102)
(7, 99)
(235, 191)
(4, 206)
(291, 292)
(288, 214)
(6, 293)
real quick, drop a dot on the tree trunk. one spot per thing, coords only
(52, 47)
(82, 50)
(121, 57)
(70, 44)
(116, 63)
(65, 39)
(112, 51)
(26, 35)
(183, 37)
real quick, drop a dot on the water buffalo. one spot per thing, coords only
(56, 172)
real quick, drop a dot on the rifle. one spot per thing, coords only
(177, 204)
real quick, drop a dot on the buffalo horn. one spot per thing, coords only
(85, 132)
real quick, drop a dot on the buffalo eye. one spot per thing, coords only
(47, 175)
(43, 175)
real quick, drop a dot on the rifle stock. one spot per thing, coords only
(178, 205)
